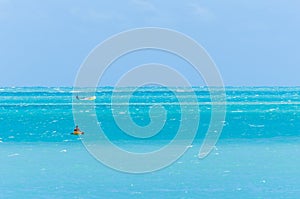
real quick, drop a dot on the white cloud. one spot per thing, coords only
(202, 12)
(91, 14)
(145, 5)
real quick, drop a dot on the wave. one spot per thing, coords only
(45, 114)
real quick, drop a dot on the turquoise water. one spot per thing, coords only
(257, 155)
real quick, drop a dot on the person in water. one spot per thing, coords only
(77, 131)
(76, 128)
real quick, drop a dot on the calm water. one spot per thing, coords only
(257, 156)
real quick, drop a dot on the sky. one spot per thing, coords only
(253, 43)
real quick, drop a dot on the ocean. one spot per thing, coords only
(256, 156)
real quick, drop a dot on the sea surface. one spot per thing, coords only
(256, 156)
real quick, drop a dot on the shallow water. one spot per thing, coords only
(257, 155)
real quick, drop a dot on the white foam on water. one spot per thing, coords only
(256, 125)
(14, 154)
(237, 111)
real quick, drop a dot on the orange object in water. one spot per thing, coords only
(77, 133)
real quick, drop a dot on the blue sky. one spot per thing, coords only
(253, 43)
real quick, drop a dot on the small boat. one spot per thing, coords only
(77, 133)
